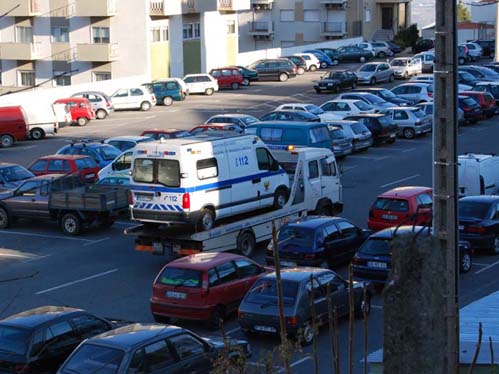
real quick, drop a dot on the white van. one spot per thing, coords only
(62, 114)
(40, 119)
(478, 174)
(201, 179)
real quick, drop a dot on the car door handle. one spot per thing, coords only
(257, 180)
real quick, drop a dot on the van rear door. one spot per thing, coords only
(468, 177)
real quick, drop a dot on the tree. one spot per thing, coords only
(463, 13)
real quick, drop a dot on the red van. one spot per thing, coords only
(228, 77)
(13, 125)
(80, 109)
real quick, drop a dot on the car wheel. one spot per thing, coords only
(71, 224)
(324, 209)
(283, 77)
(466, 263)
(300, 71)
(6, 141)
(145, 106)
(167, 101)
(381, 54)
(101, 114)
(4, 218)
(307, 334)
(246, 82)
(209, 91)
(206, 219)
(365, 305)
(461, 61)
(372, 81)
(323, 65)
(235, 86)
(391, 141)
(82, 121)
(246, 244)
(409, 133)
(362, 59)
(37, 134)
(217, 318)
(280, 198)
(312, 68)
(391, 78)
(495, 246)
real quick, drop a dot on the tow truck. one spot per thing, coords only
(315, 188)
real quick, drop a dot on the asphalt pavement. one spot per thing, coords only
(100, 271)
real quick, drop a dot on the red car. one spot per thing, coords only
(203, 287)
(165, 134)
(80, 109)
(486, 101)
(13, 125)
(217, 127)
(81, 165)
(228, 77)
(401, 205)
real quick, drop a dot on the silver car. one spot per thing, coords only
(362, 138)
(101, 103)
(428, 109)
(375, 72)
(415, 92)
(342, 141)
(403, 67)
(411, 121)
(381, 49)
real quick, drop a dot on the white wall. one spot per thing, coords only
(176, 46)
(213, 40)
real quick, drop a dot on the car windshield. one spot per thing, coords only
(393, 205)
(108, 153)
(473, 209)
(399, 62)
(14, 340)
(418, 113)
(90, 358)
(387, 94)
(295, 235)
(466, 76)
(314, 109)
(362, 105)
(368, 68)
(338, 134)
(374, 99)
(358, 128)
(15, 173)
(376, 246)
(265, 291)
(172, 276)
(249, 120)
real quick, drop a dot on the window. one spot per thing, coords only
(102, 76)
(328, 168)
(287, 15)
(231, 27)
(160, 34)
(24, 34)
(143, 171)
(246, 268)
(60, 35)
(400, 115)
(191, 31)
(227, 272)
(88, 326)
(27, 78)
(39, 166)
(313, 169)
(207, 168)
(156, 34)
(181, 277)
(311, 15)
(187, 346)
(100, 34)
(213, 279)
(270, 134)
(61, 80)
(394, 205)
(264, 159)
(331, 233)
(90, 358)
(151, 358)
(37, 343)
(425, 200)
(347, 229)
(55, 165)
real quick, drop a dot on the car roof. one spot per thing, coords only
(133, 138)
(340, 71)
(89, 145)
(297, 104)
(406, 191)
(401, 230)
(300, 112)
(481, 198)
(403, 108)
(233, 115)
(91, 92)
(203, 261)
(296, 274)
(313, 222)
(373, 115)
(7, 164)
(417, 84)
(290, 124)
(64, 99)
(169, 131)
(36, 317)
(63, 157)
(341, 122)
(343, 101)
(367, 89)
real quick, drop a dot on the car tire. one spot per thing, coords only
(300, 71)
(283, 77)
(206, 219)
(101, 114)
(209, 91)
(312, 68)
(362, 59)
(246, 82)
(409, 133)
(216, 318)
(466, 263)
(406, 75)
(323, 65)
(364, 305)
(82, 121)
(167, 101)
(381, 54)
(372, 82)
(391, 141)
(391, 79)
(246, 243)
(354, 85)
(6, 141)
(280, 198)
(37, 134)
(71, 224)
(461, 61)
(4, 218)
(234, 86)
(307, 334)
(495, 246)
(324, 209)
(145, 106)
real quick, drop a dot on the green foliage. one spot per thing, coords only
(463, 13)
(407, 37)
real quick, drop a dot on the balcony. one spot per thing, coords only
(261, 29)
(262, 4)
(333, 29)
(95, 8)
(334, 4)
(161, 8)
(25, 8)
(392, 1)
(20, 51)
(233, 5)
(96, 52)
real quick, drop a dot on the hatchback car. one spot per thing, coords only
(481, 73)
(375, 101)
(290, 115)
(401, 205)
(415, 92)
(259, 311)
(201, 84)
(375, 72)
(490, 87)
(382, 128)
(403, 68)
(472, 110)
(342, 141)
(423, 45)
(411, 121)
(299, 61)
(124, 143)
(150, 348)
(312, 63)
(203, 287)
(12, 175)
(353, 53)
(82, 166)
(167, 90)
(381, 49)
(384, 94)
(362, 138)
(426, 60)
(214, 127)
(228, 77)
(241, 120)
(463, 77)
(280, 69)
(101, 103)
(475, 50)
(80, 109)
(249, 75)
(336, 80)
(138, 98)
(342, 108)
(323, 58)
(332, 53)
(158, 134)
(103, 154)
(485, 100)
(310, 108)
(39, 340)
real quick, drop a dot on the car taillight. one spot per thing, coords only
(153, 98)
(466, 109)
(430, 94)
(186, 201)
(335, 144)
(293, 321)
(130, 197)
(204, 284)
(108, 104)
(310, 256)
(476, 229)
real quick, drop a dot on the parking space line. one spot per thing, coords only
(45, 236)
(400, 180)
(36, 258)
(96, 241)
(300, 361)
(368, 157)
(76, 282)
(479, 264)
(408, 150)
(487, 267)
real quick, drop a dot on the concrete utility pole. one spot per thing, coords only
(445, 169)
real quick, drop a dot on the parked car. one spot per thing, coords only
(414, 92)
(385, 94)
(362, 138)
(488, 47)
(299, 61)
(342, 141)
(242, 120)
(80, 165)
(203, 287)
(121, 164)
(375, 72)
(101, 103)
(353, 53)
(228, 77)
(423, 78)
(485, 100)
(373, 260)
(311, 61)
(12, 175)
(463, 54)
(323, 58)
(479, 222)
(490, 87)
(214, 127)
(151, 348)
(40, 339)
(403, 68)
(335, 80)
(141, 98)
(381, 49)
(423, 45)
(463, 77)
(290, 115)
(475, 50)
(472, 111)
(274, 69)
(115, 180)
(333, 54)
(394, 47)
(259, 312)
(310, 108)
(373, 100)
(481, 73)
(382, 128)
(427, 60)
(201, 84)
(249, 75)
(124, 143)
(13, 125)
(342, 108)
(411, 121)
(367, 47)
(103, 154)
(167, 91)
(492, 66)
(158, 134)
(80, 109)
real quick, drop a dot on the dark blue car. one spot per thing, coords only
(290, 115)
(323, 58)
(103, 154)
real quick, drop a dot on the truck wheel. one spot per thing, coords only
(167, 101)
(280, 198)
(4, 219)
(37, 134)
(246, 244)
(206, 220)
(101, 114)
(71, 224)
(82, 121)
(6, 141)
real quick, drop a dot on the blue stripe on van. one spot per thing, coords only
(159, 188)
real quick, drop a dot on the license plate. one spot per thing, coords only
(288, 264)
(141, 197)
(176, 295)
(377, 265)
(265, 328)
(389, 217)
(91, 175)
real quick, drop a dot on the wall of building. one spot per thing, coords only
(159, 50)
(176, 46)
(484, 13)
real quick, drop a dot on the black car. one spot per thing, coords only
(280, 69)
(373, 260)
(493, 66)
(465, 77)
(385, 94)
(472, 110)
(290, 115)
(148, 348)
(333, 54)
(353, 53)
(335, 80)
(488, 47)
(317, 241)
(249, 75)
(39, 340)
(481, 73)
(301, 65)
(382, 127)
(259, 310)
(423, 45)
(394, 47)
(479, 222)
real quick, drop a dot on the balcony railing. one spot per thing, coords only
(20, 51)
(165, 7)
(97, 52)
(21, 8)
(333, 28)
(98, 8)
(264, 28)
(334, 3)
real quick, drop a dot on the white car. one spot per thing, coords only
(423, 78)
(201, 84)
(124, 143)
(367, 46)
(133, 98)
(311, 108)
(344, 108)
(474, 49)
(426, 59)
(404, 67)
(311, 61)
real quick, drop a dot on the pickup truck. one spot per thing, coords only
(336, 80)
(64, 199)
